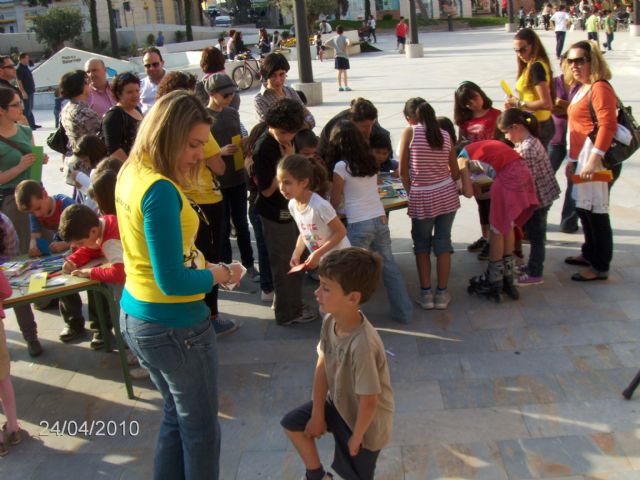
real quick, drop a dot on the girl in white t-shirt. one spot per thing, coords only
(355, 180)
(320, 228)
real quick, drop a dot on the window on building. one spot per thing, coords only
(159, 11)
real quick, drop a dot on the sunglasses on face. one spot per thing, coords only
(152, 65)
(578, 61)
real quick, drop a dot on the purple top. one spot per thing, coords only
(561, 121)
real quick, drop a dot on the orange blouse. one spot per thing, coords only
(604, 102)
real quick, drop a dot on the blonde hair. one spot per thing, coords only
(598, 68)
(164, 132)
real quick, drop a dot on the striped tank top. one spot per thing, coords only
(433, 191)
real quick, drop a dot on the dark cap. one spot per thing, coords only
(219, 83)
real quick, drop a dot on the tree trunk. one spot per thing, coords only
(423, 9)
(112, 31)
(187, 20)
(95, 33)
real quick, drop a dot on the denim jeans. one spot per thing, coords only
(374, 235)
(235, 208)
(536, 230)
(28, 110)
(560, 36)
(266, 281)
(597, 248)
(183, 363)
(569, 217)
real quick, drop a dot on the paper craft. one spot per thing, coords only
(231, 286)
(601, 176)
(37, 282)
(386, 191)
(301, 267)
(238, 157)
(35, 171)
(505, 87)
(56, 282)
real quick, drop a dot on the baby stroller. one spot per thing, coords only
(364, 33)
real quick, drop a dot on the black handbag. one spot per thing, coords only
(58, 140)
(618, 152)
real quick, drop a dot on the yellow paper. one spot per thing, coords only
(238, 157)
(37, 281)
(505, 87)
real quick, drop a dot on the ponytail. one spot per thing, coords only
(515, 116)
(427, 117)
(303, 168)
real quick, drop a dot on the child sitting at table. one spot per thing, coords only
(10, 434)
(380, 144)
(45, 212)
(96, 237)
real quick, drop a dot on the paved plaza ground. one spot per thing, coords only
(526, 389)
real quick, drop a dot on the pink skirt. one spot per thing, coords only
(513, 197)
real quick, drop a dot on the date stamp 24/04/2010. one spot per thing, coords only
(90, 428)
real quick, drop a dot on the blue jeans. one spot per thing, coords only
(235, 208)
(374, 235)
(28, 110)
(569, 217)
(536, 230)
(183, 363)
(266, 280)
(433, 234)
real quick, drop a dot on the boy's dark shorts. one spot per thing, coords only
(341, 63)
(360, 467)
(402, 40)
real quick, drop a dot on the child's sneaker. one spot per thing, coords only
(223, 326)
(340, 89)
(484, 253)
(97, 342)
(477, 245)
(139, 373)
(525, 280)
(442, 300)
(347, 89)
(425, 300)
(267, 297)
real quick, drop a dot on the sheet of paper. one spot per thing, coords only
(37, 281)
(238, 157)
(35, 171)
(298, 268)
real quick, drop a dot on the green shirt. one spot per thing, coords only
(10, 157)
(609, 25)
(592, 24)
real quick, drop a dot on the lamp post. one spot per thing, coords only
(311, 89)
(511, 24)
(634, 28)
(414, 49)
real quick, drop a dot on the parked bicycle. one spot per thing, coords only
(246, 73)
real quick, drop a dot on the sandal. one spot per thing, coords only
(578, 261)
(13, 438)
(578, 277)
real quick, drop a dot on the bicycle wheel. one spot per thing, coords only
(243, 77)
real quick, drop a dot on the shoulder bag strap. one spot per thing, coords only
(13, 145)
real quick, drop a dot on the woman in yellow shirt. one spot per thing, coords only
(535, 86)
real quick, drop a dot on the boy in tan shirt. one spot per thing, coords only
(352, 396)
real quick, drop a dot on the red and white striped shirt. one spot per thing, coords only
(433, 191)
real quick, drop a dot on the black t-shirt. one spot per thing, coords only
(24, 75)
(119, 130)
(266, 155)
(538, 73)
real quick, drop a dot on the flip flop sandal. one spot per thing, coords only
(577, 261)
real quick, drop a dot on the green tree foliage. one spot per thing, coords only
(58, 25)
(315, 8)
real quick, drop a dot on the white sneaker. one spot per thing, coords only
(442, 300)
(139, 373)
(426, 301)
(267, 297)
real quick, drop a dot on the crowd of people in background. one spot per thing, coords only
(163, 169)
